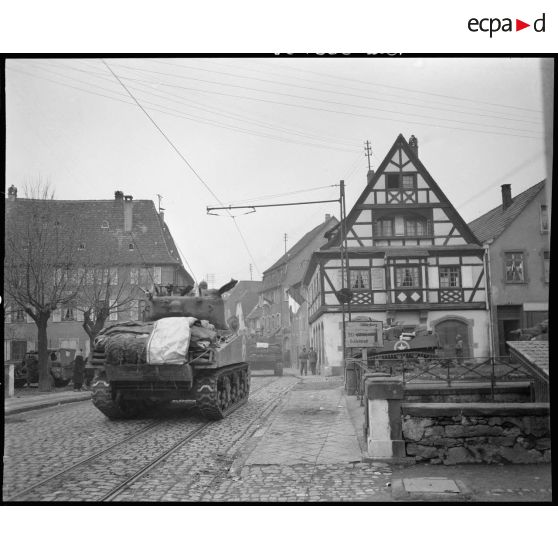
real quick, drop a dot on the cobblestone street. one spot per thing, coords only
(296, 440)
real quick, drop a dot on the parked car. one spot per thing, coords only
(60, 366)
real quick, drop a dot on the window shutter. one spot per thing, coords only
(57, 315)
(134, 275)
(157, 275)
(113, 316)
(7, 314)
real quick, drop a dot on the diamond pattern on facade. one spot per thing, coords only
(402, 297)
(415, 297)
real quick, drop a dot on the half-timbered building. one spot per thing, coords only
(411, 259)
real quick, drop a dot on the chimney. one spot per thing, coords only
(119, 195)
(12, 193)
(327, 217)
(162, 214)
(506, 196)
(369, 176)
(128, 222)
(413, 144)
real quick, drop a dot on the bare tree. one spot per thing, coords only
(104, 291)
(41, 267)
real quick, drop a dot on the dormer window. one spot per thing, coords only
(81, 246)
(131, 246)
(105, 225)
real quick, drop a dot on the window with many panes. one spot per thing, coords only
(546, 263)
(401, 180)
(360, 279)
(68, 313)
(515, 267)
(408, 276)
(416, 227)
(18, 315)
(384, 227)
(449, 277)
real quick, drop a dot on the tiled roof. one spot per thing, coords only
(256, 312)
(320, 230)
(534, 353)
(245, 292)
(100, 225)
(496, 221)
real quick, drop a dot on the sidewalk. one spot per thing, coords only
(27, 400)
(312, 449)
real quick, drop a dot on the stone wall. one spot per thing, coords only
(452, 433)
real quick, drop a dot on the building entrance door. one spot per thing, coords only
(509, 319)
(447, 331)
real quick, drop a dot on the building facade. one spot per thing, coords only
(411, 260)
(516, 234)
(128, 236)
(240, 301)
(276, 317)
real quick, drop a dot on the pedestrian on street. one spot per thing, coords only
(79, 371)
(303, 357)
(458, 346)
(312, 360)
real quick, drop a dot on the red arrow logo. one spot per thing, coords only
(519, 25)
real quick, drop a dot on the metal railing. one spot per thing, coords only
(447, 371)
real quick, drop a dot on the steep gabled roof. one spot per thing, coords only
(318, 231)
(401, 142)
(100, 226)
(245, 292)
(493, 223)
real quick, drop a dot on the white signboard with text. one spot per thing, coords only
(364, 335)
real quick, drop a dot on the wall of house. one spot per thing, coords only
(71, 333)
(523, 235)
(524, 303)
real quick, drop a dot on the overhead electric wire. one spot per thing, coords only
(346, 86)
(322, 109)
(476, 101)
(181, 114)
(187, 116)
(325, 101)
(198, 106)
(169, 141)
(344, 93)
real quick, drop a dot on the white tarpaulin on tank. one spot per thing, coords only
(169, 341)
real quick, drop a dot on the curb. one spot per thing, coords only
(45, 404)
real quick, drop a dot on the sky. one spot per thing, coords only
(216, 131)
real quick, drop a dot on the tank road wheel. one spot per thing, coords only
(220, 392)
(113, 407)
(235, 387)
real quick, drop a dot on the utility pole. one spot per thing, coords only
(368, 152)
(285, 240)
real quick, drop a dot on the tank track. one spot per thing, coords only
(219, 392)
(114, 409)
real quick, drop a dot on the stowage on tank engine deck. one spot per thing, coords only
(184, 350)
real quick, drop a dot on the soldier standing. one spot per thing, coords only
(312, 360)
(303, 357)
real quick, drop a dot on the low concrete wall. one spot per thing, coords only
(452, 433)
(505, 392)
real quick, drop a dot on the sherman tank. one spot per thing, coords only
(184, 350)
